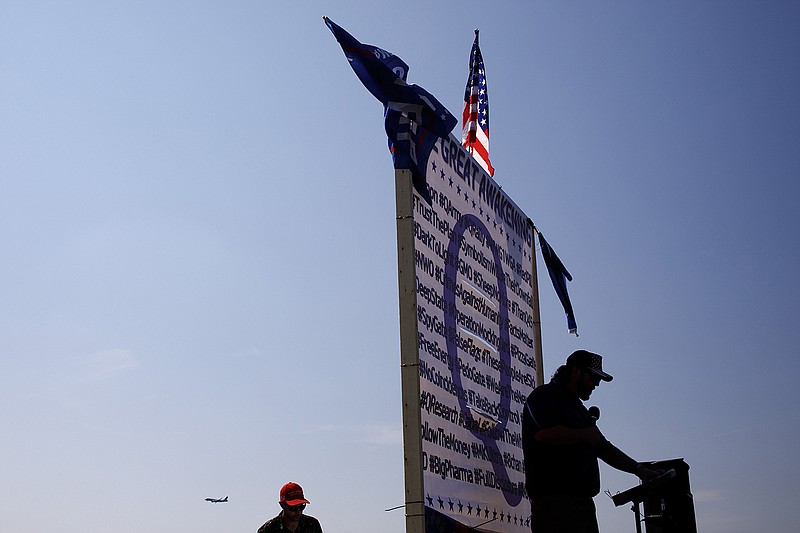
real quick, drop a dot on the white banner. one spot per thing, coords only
(475, 298)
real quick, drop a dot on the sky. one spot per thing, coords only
(198, 276)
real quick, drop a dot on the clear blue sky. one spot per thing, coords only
(198, 280)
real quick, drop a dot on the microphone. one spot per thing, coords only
(594, 413)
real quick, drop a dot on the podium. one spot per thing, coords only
(667, 499)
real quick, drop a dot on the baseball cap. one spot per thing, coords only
(292, 494)
(589, 361)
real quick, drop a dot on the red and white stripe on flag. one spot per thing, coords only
(475, 119)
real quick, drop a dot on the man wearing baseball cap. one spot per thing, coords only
(291, 517)
(561, 444)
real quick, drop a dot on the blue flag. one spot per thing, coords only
(410, 146)
(559, 276)
(413, 118)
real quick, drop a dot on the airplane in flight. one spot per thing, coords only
(215, 500)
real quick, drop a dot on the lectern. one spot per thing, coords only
(668, 502)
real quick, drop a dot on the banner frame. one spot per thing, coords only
(537, 319)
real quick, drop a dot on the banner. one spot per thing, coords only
(473, 253)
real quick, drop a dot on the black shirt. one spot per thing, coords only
(563, 469)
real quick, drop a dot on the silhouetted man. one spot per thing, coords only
(561, 444)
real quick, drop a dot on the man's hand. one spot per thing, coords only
(646, 473)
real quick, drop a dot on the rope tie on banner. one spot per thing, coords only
(484, 523)
(401, 506)
(394, 508)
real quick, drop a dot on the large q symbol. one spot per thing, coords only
(485, 426)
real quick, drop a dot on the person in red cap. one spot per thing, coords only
(291, 517)
(561, 444)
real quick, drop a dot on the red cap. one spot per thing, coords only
(292, 494)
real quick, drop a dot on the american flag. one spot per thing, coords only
(475, 120)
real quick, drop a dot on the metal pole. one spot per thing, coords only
(537, 321)
(638, 516)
